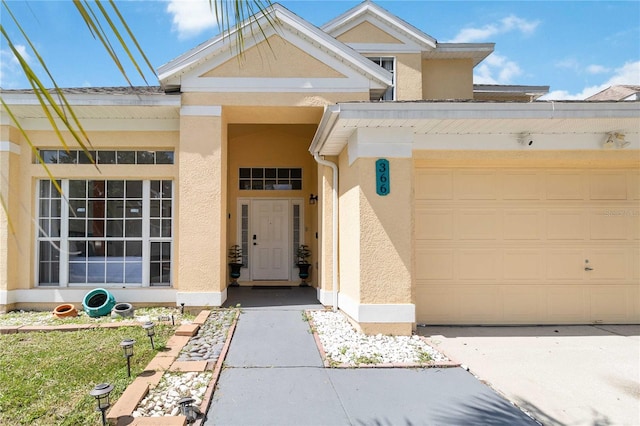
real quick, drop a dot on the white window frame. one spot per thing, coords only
(64, 237)
(378, 61)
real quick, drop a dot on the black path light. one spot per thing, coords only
(187, 409)
(101, 394)
(127, 347)
(149, 328)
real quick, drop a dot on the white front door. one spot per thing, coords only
(269, 239)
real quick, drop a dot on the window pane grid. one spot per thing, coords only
(270, 179)
(60, 156)
(105, 232)
(49, 213)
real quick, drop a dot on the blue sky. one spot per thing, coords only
(576, 47)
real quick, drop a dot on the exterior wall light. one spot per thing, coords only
(101, 394)
(127, 347)
(615, 139)
(149, 328)
(313, 199)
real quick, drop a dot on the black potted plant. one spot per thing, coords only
(235, 263)
(302, 263)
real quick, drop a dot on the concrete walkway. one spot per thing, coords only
(563, 375)
(274, 376)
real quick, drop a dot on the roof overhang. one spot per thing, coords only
(452, 118)
(474, 51)
(99, 110)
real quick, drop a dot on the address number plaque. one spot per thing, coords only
(383, 184)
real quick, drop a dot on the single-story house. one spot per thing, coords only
(422, 197)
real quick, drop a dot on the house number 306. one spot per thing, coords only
(383, 184)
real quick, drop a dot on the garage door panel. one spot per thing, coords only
(523, 265)
(608, 303)
(523, 304)
(608, 264)
(633, 180)
(566, 224)
(609, 224)
(634, 223)
(478, 264)
(478, 225)
(435, 304)
(608, 186)
(567, 304)
(434, 224)
(521, 186)
(434, 264)
(634, 263)
(565, 264)
(434, 185)
(480, 304)
(523, 225)
(565, 186)
(481, 185)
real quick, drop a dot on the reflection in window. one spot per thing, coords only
(104, 232)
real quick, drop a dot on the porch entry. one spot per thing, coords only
(269, 231)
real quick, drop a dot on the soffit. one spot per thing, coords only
(469, 118)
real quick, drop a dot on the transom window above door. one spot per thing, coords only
(270, 178)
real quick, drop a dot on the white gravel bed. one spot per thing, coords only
(163, 399)
(344, 345)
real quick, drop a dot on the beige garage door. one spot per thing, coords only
(539, 246)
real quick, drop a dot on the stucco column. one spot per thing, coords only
(9, 172)
(376, 233)
(201, 238)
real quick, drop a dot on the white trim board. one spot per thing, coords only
(76, 295)
(377, 313)
(11, 147)
(208, 298)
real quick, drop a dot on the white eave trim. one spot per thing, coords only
(98, 100)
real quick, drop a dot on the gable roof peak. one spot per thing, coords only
(369, 9)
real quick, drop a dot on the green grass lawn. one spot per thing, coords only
(45, 378)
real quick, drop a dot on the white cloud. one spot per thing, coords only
(190, 17)
(10, 70)
(629, 74)
(496, 69)
(597, 69)
(505, 25)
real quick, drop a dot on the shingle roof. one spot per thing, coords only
(615, 93)
(122, 90)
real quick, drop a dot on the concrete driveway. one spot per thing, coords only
(564, 375)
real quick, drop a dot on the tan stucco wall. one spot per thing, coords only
(274, 57)
(376, 254)
(202, 209)
(273, 145)
(367, 33)
(349, 231)
(447, 79)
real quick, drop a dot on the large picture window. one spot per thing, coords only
(105, 232)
